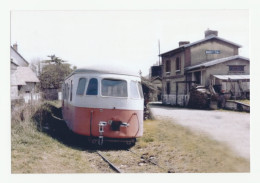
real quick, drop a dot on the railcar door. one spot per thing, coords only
(92, 91)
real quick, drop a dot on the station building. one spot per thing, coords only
(210, 62)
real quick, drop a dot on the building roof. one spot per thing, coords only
(156, 78)
(198, 42)
(23, 75)
(15, 80)
(148, 84)
(214, 62)
(19, 55)
(209, 38)
(232, 77)
(14, 62)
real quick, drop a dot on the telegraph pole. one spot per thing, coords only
(159, 51)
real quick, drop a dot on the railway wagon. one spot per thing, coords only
(104, 105)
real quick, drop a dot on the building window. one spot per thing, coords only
(168, 66)
(178, 64)
(92, 87)
(236, 68)
(197, 76)
(81, 86)
(168, 88)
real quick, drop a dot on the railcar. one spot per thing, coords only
(103, 105)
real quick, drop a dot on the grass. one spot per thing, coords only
(179, 150)
(37, 152)
(172, 146)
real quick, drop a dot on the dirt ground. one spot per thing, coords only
(232, 128)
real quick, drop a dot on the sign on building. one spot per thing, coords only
(212, 51)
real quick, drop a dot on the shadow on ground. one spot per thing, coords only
(48, 120)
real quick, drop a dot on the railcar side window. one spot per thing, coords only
(114, 88)
(92, 87)
(81, 86)
(140, 89)
(66, 91)
(63, 91)
(134, 90)
(71, 88)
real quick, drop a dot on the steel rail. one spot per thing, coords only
(119, 171)
(148, 160)
(109, 163)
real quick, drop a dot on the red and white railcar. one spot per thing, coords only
(103, 105)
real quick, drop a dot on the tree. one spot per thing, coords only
(54, 59)
(52, 75)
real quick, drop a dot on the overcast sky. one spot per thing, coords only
(120, 38)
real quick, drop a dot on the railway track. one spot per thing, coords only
(127, 161)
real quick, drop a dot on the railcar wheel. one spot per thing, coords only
(92, 141)
(130, 143)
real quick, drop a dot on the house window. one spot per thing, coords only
(92, 87)
(81, 86)
(114, 88)
(168, 66)
(236, 68)
(178, 64)
(168, 88)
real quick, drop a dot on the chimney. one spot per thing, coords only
(181, 43)
(211, 32)
(15, 46)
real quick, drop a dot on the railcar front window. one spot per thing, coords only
(134, 90)
(81, 86)
(92, 87)
(114, 88)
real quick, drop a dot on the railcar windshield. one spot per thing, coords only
(81, 86)
(114, 88)
(92, 87)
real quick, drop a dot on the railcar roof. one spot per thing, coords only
(118, 71)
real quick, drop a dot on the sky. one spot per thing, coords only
(120, 38)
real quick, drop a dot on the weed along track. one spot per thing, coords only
(127, 161)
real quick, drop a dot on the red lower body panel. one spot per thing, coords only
(85, 121)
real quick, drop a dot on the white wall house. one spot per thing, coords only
(23, 79)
